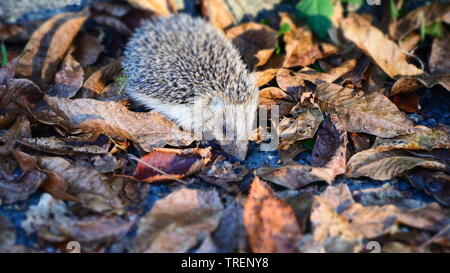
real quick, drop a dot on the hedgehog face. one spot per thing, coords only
(232, 124)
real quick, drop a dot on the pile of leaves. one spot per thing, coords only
(117, 179)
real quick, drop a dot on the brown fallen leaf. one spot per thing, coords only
(160, 7)
(366, 113)
(87, 49)
(406, 102)
(440, 54)
(113, 23)
(169, 164)
(256, 42)
(301, 49)
(149, 130)
(19, 130)
(179, 221)
(14, 189)
(265, 76)
(424, 138)
(88, 186)
(53, 222)
(68, 80)
(411, 21)
(117, 9)
(305, 120)
(270, 222)
(379, 164)
(330, 147)
(436, 184)
(384, 52)
(97, 81)
(47, 47)
(217, 13)
(69, 145)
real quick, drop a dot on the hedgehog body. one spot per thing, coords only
(185, 69)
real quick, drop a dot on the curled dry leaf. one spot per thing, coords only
(256, 42)
(160, 7)
(87, 49)
(47, 47)
(179, 221)
(265, 76)
(379, 164)
(98, 80)
(366, 113)
(68, 80)
(385, 53)
(440, 54)
(330, 147)
(69, 145)
(19, 130)
(436, 184)
(410, 22)
(306, 118)
(112, 119)
(217, 13)
(53, 222)
(301, 50)
(424, 138)
(270, 222)
(13, 189)
(88, 186)
(167, 164)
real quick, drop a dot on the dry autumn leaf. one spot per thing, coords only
(367, 113)
(256, 42)
(379, 164)
(217, 13)
(440, 54)
(170, 164)
(46, 48)
(68, 80)
(160, 7)
(270, 222)
(179, 221)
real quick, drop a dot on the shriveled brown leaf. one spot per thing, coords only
(113, 119)
(436, 184)
(47, 46)
(69, 145)
(367, 113)
(179, 221)
(410, 22)
(87, 49)
(406, 102)
(19, 130)
(413, 83)
(169, 164)
(98, 80)
(270, 222)
(295, 176)
(301, 49)
(217, 13)
(379, 164)
(440, 54)
(265, 76)
(89, 187)
(160, 7)
(330, 147)
(256, 42)
(14, 189)
(68, 80)
(424, 138)
(306, 118)
(384, 52)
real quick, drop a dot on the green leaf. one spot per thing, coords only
(4, 54)
(422, 26)
(435, 30)
(394, 11)
(354, 2)
(285, 28)
(317, 14)
(264, 21)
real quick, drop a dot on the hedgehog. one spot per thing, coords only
(185, 69)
